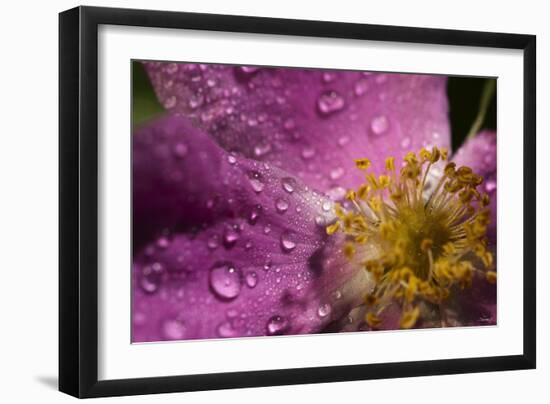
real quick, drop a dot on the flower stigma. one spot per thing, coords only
(430, 241)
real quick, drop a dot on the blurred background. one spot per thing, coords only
(465, 94)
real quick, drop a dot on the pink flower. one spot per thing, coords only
(235, 185)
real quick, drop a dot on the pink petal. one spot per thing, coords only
(313, 123)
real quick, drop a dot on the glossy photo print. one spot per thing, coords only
(274, 201)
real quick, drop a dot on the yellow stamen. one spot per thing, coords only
(427, 247)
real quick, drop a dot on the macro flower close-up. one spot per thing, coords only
(282, 201)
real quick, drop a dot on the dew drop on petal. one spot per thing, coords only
(170, 102)
(490, 185)
(344, 140)
(276, 325)
(288, 242)
(336, 173)
(251, 279)
(256, 181)
(230, 237)
(173, 329)
(360, 87)
(324, 310)
(180, 150)
(288, 184)
(225, 280)
(226, 330)
(330, 102)
(213, 242)
(231, 159)
(308, 152)
(379, 125)
(262, 150)
(281, 205)
(254, 214)
(405, 142)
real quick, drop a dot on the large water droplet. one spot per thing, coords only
(379, 125)
(281, 205)
(288, 184)
(288, 241)
(251, 279)
(277, 325)
(256, 181)
(225, 280)
(330, 102)
(173, 329)
(324, 310)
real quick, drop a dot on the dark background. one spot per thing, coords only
(464, 98)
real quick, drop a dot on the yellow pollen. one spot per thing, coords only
(430, 241)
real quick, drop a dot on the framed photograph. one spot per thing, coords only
(251, 201)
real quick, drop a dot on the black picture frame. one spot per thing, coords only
(78, 200)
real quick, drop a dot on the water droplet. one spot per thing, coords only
(360, 87)
(251, 279)
(405, 142)
(267, 229)
(163, 242)
(320, 221)
(170, 102)
(151, 277)
(213, 242)
(262, 150)
(379, 125)
(288, 184)
(289, 124)
(281, 205)
(180, 150)
(173, 329)
(231, 159)
(330, 102)
(308, 152)
(328, 77)
(326, 205)
(336, 193)
(230, 237)
(254, 214)
(337, 295)
(171, 68)
(288, 242)
(324, 310)
(336, 173)
(490, 185)
(344, 140)
(277, 325)
(249, 69)
(381, 78)
(225, 280)
(226, 330)
(195, 101)
(256, 181)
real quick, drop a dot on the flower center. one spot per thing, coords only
(430, 241)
